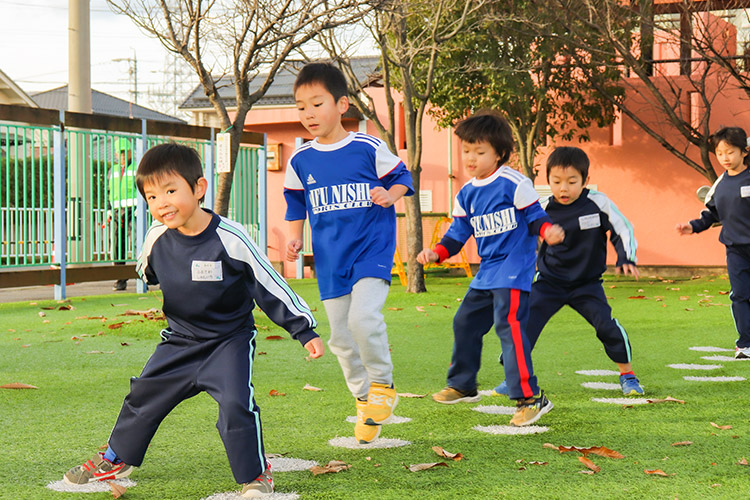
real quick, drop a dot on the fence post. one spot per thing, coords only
(209, 159)
(140, 208)
(263, 198)
(61, 234)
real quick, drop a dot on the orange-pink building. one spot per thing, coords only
(650, 186)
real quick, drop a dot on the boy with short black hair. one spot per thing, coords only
(571, 273)
(500, 208)
(346, 183)
(211, 275)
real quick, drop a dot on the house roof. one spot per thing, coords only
(103, 104)
(10, 93)
(280, 92)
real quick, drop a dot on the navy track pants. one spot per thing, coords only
(181, 368)
(587, 300)
(738, 267)
(508, 310)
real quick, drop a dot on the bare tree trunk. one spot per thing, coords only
(414, 240)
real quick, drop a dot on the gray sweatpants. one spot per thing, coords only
(358, 335)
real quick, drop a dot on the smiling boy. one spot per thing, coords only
(346, 184)
(211, 275)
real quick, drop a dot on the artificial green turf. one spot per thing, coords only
(44, 432)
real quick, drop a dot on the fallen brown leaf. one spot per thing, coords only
(124, 344)
(274, 337)
(309, 387)
(668, 399)
(420, 308)
(722, 427)
(596, 450)
(586, 472)
(684, 297)
(274, 392)
(589, 464)
(67, 307)
(536, 462)
(637, 297)
(743, 461)
(100, 352)
(332, 466)
(682, 443)
(395, 308)
(446, 454)
(18, 385)
(421, 467)
(410, 395)
(153, 314)
(41, 314)
(117, 490)
(656, 472)
(115, 326)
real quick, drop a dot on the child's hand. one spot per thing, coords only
(684, 229)
(626, 269)
(381, 196)
(315, 347)
(554, 235)
(426, 256)
(292, 250)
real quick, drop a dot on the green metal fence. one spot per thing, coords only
(26, 193)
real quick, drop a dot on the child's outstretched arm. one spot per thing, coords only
(427, 256)
(553, 234)
(295, 239)
(315, 347)
(684, 229)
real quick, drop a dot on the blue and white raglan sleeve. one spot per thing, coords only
(709, 215)
(620, 229)
(526, 201)
(267, 287)
(391, 170)
(142, 267)
(294, 194)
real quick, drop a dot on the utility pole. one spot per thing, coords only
(132, 74)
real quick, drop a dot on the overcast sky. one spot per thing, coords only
(34, 49)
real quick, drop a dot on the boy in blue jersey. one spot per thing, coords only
(500, 208)
(571, 273)
(211, 274)
(346, 183)
(728, 202)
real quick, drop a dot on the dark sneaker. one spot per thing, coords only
(97, 469)
(630, 385)
(450, 396)
(742, 353)
(262, 486)
(529, 410)
(500, 390)
(120, 285)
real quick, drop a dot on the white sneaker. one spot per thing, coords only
(742, 353)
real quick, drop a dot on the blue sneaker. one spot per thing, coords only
(500, 390)
(630, 385)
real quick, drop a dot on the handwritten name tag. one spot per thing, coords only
(745, 191)
(589, 221)
(205, 270)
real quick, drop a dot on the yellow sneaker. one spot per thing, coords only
(529, 410)
(381, 401)
(450, 396)
(364, 433)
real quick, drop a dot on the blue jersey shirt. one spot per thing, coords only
(211, 282)
(498, 212)
(330, 184)
(728, 202)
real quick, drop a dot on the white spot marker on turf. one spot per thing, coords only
(695, 367)
(621, 401)
(97, 487)
(510, 429)
(708, 348)
(495, 410)
(720, 358)
(235, 495)
(350, 442)
(395, 419)
(715, 379)
(488, 392)
(607, 386)
(284, 464)
(597, 373)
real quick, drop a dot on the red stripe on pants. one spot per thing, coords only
(515, 332)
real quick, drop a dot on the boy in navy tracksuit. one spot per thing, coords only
(571, 273)
(211, 274)
(500, 208)
(728, 202)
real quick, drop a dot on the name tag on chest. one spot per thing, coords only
(206, 270)
(745, 191)
(589, 221)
